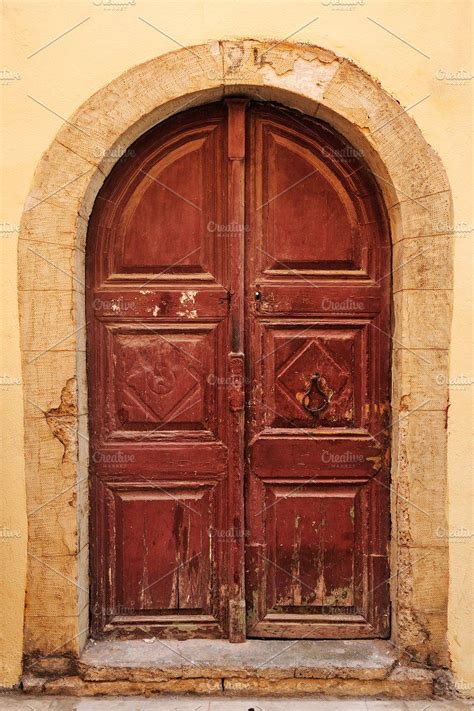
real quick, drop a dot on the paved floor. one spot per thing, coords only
(15, 702)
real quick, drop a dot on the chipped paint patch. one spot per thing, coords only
(62, 420)
(188, 296)
(187, 300)
(309, 78)
(192, 313)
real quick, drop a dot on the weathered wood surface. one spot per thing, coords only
(239, 382)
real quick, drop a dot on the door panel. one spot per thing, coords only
(238, 367)
(339, 350)
(176, 191)
(295, 520)
(163, 530)
(160, 380)
(318, 298)
(288, 223)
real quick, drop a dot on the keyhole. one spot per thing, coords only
(258, 296)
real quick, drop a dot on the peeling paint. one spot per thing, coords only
(307, 77)
(188, 296)
(62, 420)
(187, 300)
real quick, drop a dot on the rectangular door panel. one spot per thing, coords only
(315, 557)
(160, 541)
(172, 203)
(318, 231)
(164, 563)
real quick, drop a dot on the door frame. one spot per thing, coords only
(51, 303)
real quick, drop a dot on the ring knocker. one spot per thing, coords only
(314, 382)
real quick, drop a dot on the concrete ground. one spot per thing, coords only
(17, 702)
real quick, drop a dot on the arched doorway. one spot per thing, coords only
(54, 223)
(238, 318)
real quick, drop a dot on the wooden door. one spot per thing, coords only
(318, 289)
(177, 326)
(162, 329)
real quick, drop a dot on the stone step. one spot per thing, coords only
(402, 683)
(265, 667)
(156, 659)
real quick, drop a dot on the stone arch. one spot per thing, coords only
(51, 296)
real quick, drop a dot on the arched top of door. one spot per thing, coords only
(180, 166)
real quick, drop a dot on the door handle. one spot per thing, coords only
(314, 382)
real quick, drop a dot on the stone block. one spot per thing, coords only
(422, 584)
(74, 686)
(419, 380)
(49, 223)
(51, 479)
(143, 660)
(422, 319)
(426, 564)
(423, 263)
(48, 267)
(52, 587)
(411, 684)
(425, 216)
(65, 180)
(419, 487)
(301, 70)
(46, 634)
(49, 322)
(44, 379)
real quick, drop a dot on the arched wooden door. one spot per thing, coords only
(238, 315)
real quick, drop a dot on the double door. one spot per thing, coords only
(238, 324)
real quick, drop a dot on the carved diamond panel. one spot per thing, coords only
(154, 378)
(160, 380)
(319, 370)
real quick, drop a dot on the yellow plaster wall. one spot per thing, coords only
(110, 40)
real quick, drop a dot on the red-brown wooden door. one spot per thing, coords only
(318, 287)
(238, 368)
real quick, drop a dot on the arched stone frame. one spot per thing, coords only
(51, 295)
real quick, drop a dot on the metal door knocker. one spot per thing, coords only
(314, 381)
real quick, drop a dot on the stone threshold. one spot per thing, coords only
(266, 667)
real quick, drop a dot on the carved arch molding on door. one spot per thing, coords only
(238, 366)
